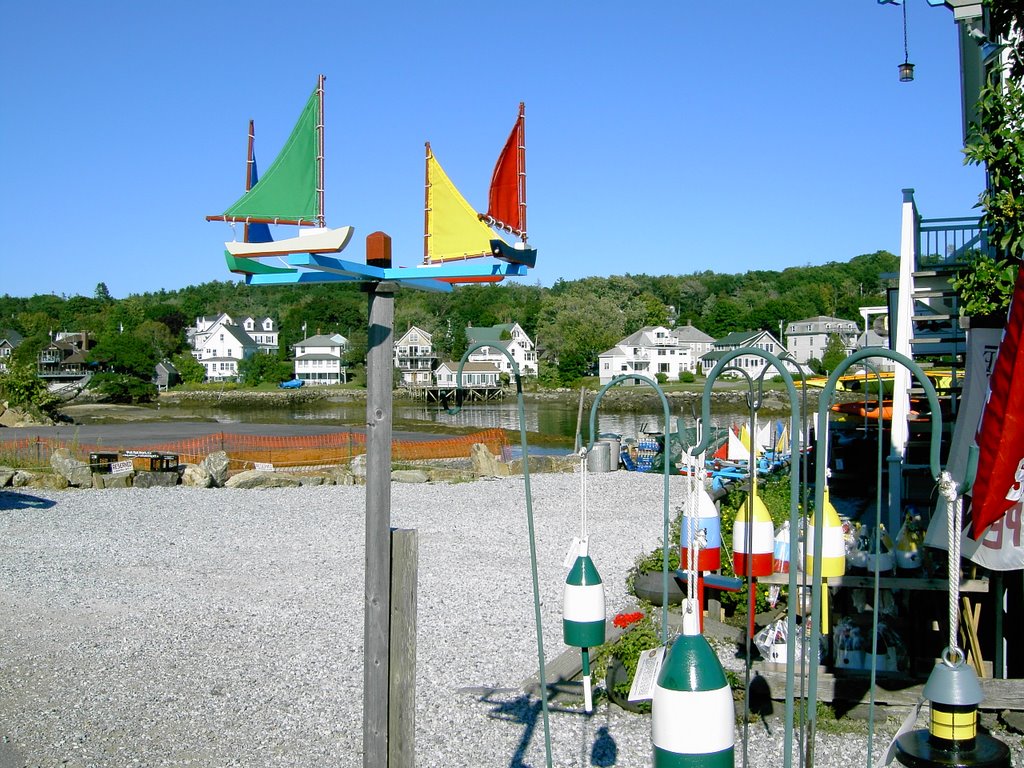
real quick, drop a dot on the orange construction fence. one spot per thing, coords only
(244, 451)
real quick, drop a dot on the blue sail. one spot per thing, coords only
(257, 233)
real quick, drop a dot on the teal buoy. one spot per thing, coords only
(583, 622)
(692, 709)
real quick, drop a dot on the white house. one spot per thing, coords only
(752, 364)
(9, 339)
(508, 336)
(264, 332)
(648, 352)
(224, 347)
(693, 339)
(473, 374)
(414, 357)
(318, 359)
(809, 338)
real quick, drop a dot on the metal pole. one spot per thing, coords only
(377, 606)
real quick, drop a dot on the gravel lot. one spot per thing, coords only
(187, 627)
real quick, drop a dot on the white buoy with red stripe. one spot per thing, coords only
(762, 538)
(692, 712)
(583, 614)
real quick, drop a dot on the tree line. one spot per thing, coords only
(572, 322)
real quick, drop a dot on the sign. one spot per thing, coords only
(121, 467)
(264, 466)
(647, 668)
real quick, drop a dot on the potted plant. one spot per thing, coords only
(984, 287)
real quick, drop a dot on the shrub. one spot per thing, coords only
(687, 377)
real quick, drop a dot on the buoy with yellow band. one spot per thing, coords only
(833, 550)
(762, 538)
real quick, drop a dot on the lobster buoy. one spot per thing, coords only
(780, 555)
(762, 541)
(833, 541)
(709, 554)
(583, 623)
(692, 712)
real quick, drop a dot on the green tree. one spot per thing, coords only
(260, 368)
(125, 354)
(190, 369)
(834, 354)
(22, 388)
(575, 330)
(101, 293)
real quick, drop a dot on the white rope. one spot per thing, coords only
(954, 502)
(583, 493)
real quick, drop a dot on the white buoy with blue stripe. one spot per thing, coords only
(583, 614)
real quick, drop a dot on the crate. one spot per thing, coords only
(100, 461)
(152, 461)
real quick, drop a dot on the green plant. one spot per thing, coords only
(985, 285)
(22, 388)
(687, 377)
(640, 636)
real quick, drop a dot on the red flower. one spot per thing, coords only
(623, 620)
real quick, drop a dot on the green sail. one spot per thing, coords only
(287, 190)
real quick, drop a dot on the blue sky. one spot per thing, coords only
(662, 138)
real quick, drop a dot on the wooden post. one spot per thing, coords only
(402, 690)
(377, 604)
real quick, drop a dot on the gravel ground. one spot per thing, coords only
(187, 627)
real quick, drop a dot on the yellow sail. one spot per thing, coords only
(453, 229)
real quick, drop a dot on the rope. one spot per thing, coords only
(954, 501)
(583, 493)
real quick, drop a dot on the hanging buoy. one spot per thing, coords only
(583, 622)
(692, 713)
(833, 541)
(780, 555)
(909, 541)
(709, 554)
(762, 540)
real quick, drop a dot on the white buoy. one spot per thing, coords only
(692, 713)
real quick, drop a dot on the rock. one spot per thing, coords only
(22, 477)
(120, 480)
(48, 482)
(256, 478)
(485, 463)
(145, 479)
(409, 476)
(10, 418)
(196, 476)
(311, 479)
(340, 476)
(77, 473)
(216, 464)
(358, 466)
(6, 475)
(545, 464)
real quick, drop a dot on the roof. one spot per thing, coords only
(475, 335)
(737, 338)
(322, 340)
(239, 335)
(319, 356)
(688, 333)
(12, 336)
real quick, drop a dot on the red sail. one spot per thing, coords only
(506, 203)
(1000, 481)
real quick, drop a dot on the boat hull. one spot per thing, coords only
(326, 241)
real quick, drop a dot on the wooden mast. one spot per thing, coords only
(426, 205)
(320, 152)
(248, 174)
(521, 169)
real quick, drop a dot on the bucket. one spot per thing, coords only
(613, 451)
(597, 457)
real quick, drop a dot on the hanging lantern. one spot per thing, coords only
(906, 68)
(952, 737)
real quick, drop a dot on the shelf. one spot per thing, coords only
(885, 582)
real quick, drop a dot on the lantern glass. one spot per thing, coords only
(906, 72)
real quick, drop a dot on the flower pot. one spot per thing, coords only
(617, 675)
(648, 586)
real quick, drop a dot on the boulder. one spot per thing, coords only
(340, 476)
(10, 418)
(217, 465)
(257, 478)
(22, 477)
(120, 480)
(409, 476)
(48, 482)
(6, 475)
(485, 463)
(196, 476)
(358, 466)
(146, 479)
(313, 480)
(77, 473)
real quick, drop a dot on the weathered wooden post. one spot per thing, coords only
(376, 619)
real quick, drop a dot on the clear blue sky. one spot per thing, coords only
(662, 137)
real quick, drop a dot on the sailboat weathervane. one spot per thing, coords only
(291, 192)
